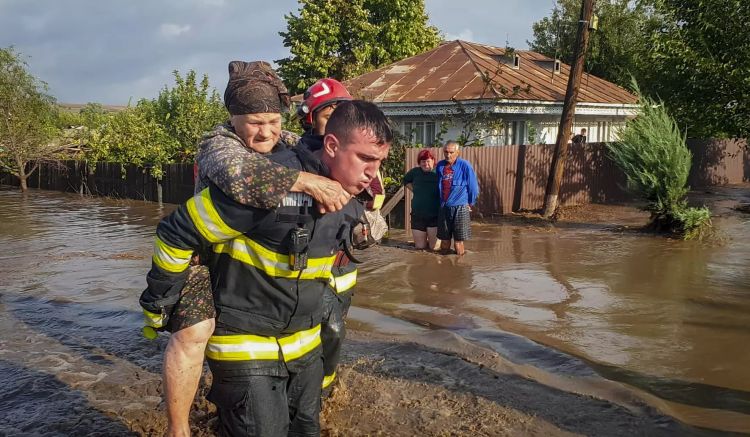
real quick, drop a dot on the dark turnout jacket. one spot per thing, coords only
(268, 313)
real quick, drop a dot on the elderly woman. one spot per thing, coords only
(425, 203)
(232, 158)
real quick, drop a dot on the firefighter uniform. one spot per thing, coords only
(269, 271)
(336, 302)
(338, 298)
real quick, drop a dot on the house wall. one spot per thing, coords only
(518, 128)
(598, 129)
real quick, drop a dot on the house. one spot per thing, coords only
(490, 95)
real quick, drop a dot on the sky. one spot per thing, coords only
(119, 51)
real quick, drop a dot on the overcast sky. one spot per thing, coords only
(110, 51)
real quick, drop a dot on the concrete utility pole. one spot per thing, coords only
(569, 110)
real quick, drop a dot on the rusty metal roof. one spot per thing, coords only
(461, 70)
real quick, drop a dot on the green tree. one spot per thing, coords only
(616, 49)
(656, 161)
(132, 136)
(345, 38)
(693, 54)
(699, 63)
(157, 131)
(29, 117)
(401, 30)
(186, 111)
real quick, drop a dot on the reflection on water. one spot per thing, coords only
(667, 317)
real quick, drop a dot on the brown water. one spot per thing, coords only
(668, 318)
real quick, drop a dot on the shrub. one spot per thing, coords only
(656, 161)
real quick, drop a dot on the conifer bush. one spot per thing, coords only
(656, 161)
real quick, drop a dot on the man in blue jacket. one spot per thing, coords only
(458, 193)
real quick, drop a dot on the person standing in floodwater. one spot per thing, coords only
(425, 204)
(231, 158)
(459, 190)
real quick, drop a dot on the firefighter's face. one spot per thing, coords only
(320, 119)
(260, 132)
(355, 163)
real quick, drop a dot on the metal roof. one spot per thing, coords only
(461, 70)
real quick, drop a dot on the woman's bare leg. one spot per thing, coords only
(432, 238)
(183, 365)
(420, 239)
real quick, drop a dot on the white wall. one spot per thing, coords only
(601, 129)
(516, 129)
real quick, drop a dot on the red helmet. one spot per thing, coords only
(321, 94)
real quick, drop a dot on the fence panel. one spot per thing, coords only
(511, 178)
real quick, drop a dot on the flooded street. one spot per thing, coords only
(585, 305)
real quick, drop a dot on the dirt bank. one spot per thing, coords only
(396, 387)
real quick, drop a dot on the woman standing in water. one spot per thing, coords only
(425, 203)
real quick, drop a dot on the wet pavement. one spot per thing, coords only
(579, 301)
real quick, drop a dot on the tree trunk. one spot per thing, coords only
(22, 175)
(554, 181)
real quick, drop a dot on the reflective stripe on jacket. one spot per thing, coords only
(344, 281)
(255, 347)
(257, 293)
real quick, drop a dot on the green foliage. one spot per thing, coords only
(531, 132)
(186, 111)
(28, 118)
(66, 119)
(401, 30)
(653, 155)
(290, 123)
(130, 136)
(695, 54)
(616, 49)
(154, 132)
(699, 61)
(392, 168)
(693, 223)
(476, 124)
(345, 38)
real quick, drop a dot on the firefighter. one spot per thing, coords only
(269, 270)
(320, 101)
(231, 157)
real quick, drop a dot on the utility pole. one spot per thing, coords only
(569, 110)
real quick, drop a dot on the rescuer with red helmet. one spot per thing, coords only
(320, 100)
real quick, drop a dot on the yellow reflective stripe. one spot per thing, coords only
(242, 348)
(207, 220)
(300, 343)
(328, 379)
(273, 263)
(377, 201)
(170, 258)
(345, 282)
(153, 320)
(255, 347)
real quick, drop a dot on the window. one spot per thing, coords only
(512, 133)
(557, 66)
(420, 132)
(516, 62)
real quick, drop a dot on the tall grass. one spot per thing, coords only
(656, 161)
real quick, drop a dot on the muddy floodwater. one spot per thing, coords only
(589, 306)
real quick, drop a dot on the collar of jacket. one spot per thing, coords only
(312, 141)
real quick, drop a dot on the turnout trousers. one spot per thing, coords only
(268, 406)
(333, 332)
